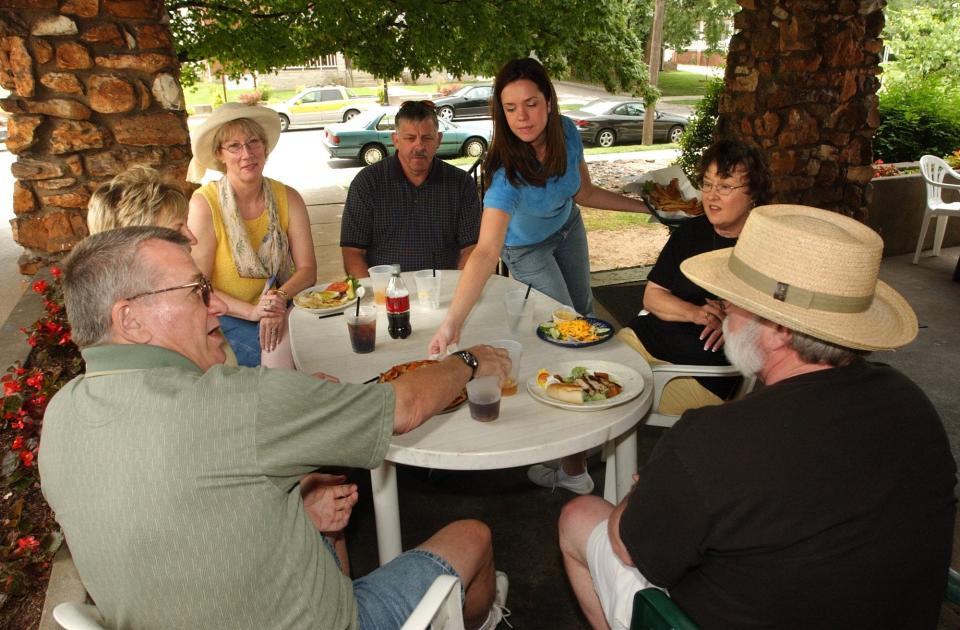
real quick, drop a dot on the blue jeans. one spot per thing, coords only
(244, 337)
(558, 266)
(387, 596)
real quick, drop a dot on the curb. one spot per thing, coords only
(64, 586)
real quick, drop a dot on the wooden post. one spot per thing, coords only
(654, 50)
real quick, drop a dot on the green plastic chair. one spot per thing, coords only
(654, 610)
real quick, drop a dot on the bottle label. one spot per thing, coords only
(398, 304)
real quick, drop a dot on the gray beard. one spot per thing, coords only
(743, 347)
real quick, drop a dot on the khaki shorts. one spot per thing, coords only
(614, 582)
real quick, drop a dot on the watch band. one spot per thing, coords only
(470, 360)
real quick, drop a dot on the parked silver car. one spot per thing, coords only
(321, 105)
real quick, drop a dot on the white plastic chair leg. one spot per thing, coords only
(938, 235)
(923, 234)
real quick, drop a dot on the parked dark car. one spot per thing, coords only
(368, 137)
(606, 122)
(470, 101)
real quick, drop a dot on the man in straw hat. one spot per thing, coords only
(824, 499)
(178, 481)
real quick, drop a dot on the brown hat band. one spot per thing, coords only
(797, 296)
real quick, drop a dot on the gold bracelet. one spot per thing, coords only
(283, 294)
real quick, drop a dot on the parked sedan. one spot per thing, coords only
(367, 137)
(470, 101)
(608, 121)
(321, 105)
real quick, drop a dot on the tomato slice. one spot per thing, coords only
(339, 287)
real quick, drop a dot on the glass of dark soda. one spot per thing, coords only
(483, 395)
(362, 327)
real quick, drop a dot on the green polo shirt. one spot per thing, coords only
(178, 494)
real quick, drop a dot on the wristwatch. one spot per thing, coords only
(470, 360)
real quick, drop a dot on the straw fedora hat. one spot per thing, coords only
(812, 271)
(204, 153)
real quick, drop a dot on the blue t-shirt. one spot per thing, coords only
(538, 212)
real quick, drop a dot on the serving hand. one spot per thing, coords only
(328, 501)
(446, 335)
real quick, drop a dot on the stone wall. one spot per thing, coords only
(801, 82)
(95, 89)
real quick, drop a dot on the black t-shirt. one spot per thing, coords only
(823, 501)
(679, 342)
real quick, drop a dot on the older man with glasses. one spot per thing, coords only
(177, 480)
(411, 209)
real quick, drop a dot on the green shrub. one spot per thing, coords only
(265, 91)
(916, 118)
(700, 132)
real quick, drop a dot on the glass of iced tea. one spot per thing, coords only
(362, 327)
(515, 349)
(483, 396)
(379, 276)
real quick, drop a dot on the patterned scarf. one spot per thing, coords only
(272, 257)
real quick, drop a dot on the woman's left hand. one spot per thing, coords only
(272, 329)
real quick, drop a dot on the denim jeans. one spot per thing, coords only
(558, 266)
(387, 596)
(244, 337)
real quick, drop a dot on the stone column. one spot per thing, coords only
(801, 82)
(95, 90)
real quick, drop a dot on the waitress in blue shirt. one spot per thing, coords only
(530, 216)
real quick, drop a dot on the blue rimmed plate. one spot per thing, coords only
(601, 325)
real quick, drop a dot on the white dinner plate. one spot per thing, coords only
(626, 377)
(330, 309)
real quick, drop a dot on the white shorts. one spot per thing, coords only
(614, 582)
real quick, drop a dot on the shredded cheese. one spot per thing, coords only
(578, 329)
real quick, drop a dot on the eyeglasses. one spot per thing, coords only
(206, 289)
(234, 148)
(723, 190)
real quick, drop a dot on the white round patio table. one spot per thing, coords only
(527, 431)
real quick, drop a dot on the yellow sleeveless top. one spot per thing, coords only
(225, 277)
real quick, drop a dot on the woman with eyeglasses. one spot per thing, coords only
(253, 233)
(683, 322)
(531, 219)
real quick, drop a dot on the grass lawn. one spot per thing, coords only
(676, 83)
(594, 219)
(627, 148)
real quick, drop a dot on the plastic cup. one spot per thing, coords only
(483, 396)
(515, 348)
(380, 276)
(564, 314)
(514, 302)
(428, 288)
(363, 329)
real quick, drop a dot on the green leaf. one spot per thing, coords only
(53, 540)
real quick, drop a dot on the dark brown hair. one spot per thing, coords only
(518, 158)
(417, 111)
(728, 155)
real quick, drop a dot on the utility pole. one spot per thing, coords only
(654, 47)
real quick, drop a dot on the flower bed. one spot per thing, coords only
(29, 535)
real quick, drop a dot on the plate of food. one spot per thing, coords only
(329, 297)
(586, 385)
(399, 370)
(668, 194)
(578, 332)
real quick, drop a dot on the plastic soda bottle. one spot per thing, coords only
(398, 308)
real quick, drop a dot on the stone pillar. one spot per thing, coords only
(95, 89)
(801, 82)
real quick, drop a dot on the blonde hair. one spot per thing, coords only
(138, 196)
(245, 125)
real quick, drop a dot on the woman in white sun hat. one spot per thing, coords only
(253, 233)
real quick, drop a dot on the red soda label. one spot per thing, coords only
(398, 304)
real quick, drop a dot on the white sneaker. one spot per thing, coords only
(549, 478)
(498, 611)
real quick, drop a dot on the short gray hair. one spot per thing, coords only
(103, 269)
(813, 350)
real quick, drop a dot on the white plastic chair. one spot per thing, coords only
(77, 616)
(663, 373)
(934, 170)
(440, 608)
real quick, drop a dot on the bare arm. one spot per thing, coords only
(593, 196)
(422, 393)
(480, 264)
(465, 255)
(668, 307)
(355, 262)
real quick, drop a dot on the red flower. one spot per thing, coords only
(39, 402)
(27, 458)
(32, 341)
(65, 339)
(56, 272)
(10, 388)
(40, 286)
(35, 381)
(17, 425)
(20, 371)
(28, 543)
(53, 327)
(17, 443)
